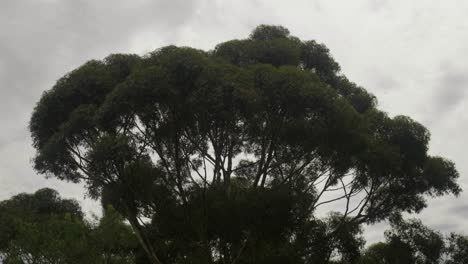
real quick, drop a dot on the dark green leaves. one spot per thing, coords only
(441, 176)
(44, 228)
(229, 153)
(267, 32)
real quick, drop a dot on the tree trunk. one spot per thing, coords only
(144, 242)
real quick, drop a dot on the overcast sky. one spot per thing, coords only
(410, 54)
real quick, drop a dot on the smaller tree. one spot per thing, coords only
(43, 228)
(412, 242)
(53, 240)
(428, 245)
(457, 249)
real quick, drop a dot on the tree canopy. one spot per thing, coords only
(224, 156)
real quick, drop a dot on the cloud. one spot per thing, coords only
(377, 5)
(460, 210)
(451, 89)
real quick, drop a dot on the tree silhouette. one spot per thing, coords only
(224, 156)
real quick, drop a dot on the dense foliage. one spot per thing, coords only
(42, 228)
(225, 156)
(411, 242)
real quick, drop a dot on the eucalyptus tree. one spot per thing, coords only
(224, 156)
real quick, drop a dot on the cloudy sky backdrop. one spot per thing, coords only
(410, 54)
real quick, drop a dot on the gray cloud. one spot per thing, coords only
(451, 89)
(460, 210)
(392, 48)
(446, 226)
(377, 5)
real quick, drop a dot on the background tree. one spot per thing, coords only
(42, 228)
(427, 245)
(409, 241)
(457, 249)
(229, 153)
